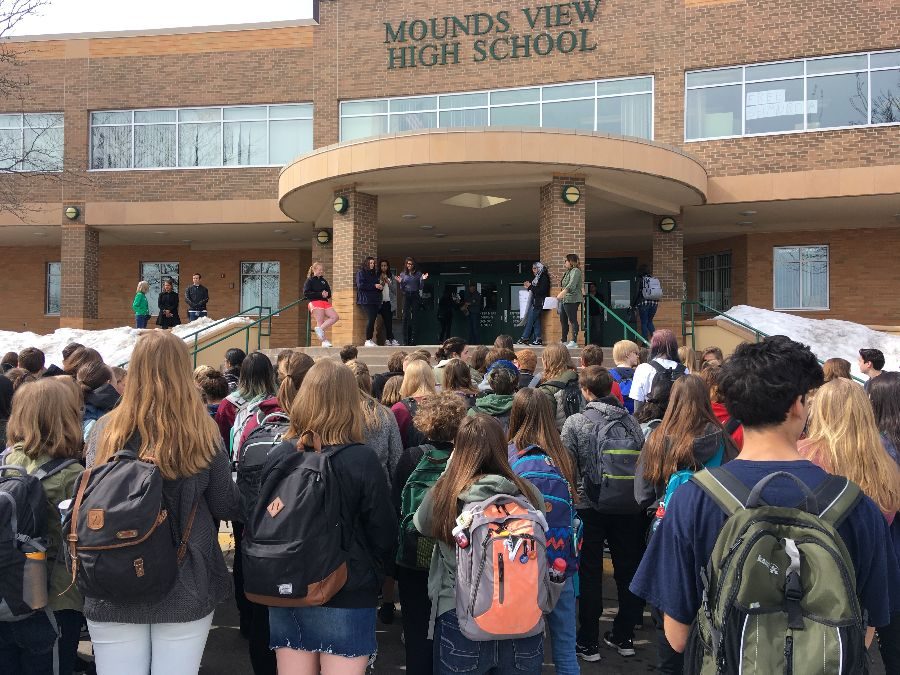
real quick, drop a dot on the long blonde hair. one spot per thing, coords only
(556, 360)
(328, 405)
(368, 405)
(843, 439)
(142, 287)
(163, 405)
(418, 380)
(46, 419)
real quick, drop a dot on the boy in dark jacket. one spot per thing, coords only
(540, 289)
(197, 296)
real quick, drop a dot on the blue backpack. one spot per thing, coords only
(564, 529)
(625, 387)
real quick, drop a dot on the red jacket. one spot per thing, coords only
(722, 415)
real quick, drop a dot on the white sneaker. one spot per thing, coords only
(326, 343)
(320, 333)
(394, 343)
(572, 344)
(369, 343)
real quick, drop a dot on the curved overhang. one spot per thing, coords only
(639, 174)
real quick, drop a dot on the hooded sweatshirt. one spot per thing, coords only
(96, 404)
(558, 394)
(442, 574)
(495, 405)
(704, 448)
(578, 432)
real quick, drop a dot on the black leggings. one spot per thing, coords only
(569, 315)
(372, 314)
(387, 316)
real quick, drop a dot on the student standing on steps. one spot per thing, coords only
(539, 286)
(412, 282)
(318, 292)
(388, 301)
(570, 297)
(368, 295)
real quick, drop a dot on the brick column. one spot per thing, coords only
(355, 236)
(80, 276)
(668, 267)
(561, 233)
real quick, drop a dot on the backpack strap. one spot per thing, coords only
(182, 545)
(614, 374)
(53, 467)
(837, 497)
(658, 367)
(729, 493)
(732, 425)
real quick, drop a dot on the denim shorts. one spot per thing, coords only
(329, 630)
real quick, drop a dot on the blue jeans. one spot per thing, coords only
(561, 622)
(26, 646)
(455, 653)
(140, 320)
(193, 315)
(532, 324)
(646, 312)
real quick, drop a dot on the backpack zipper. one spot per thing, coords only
(789, 655)
(500, 574)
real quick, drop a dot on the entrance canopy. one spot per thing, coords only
(474, 188)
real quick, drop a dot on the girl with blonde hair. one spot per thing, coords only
(418, 383)
(339, 636)
(140, 305)
(45, 433)
(559, 371)
(163, 419)
(318, 292)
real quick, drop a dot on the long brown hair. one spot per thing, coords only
(556, 360)
(292, 369)
(843, 439)
(670, 447)
(532, 421)
(458, 377)
(162, 404)
(327, 405)
(46, 419)
(480, 449)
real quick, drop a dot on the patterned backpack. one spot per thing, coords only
(564, 529)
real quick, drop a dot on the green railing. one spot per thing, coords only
(261, 322)
(688, 309)
(256, 309)
(628, 331)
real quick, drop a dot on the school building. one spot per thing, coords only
(748, 151)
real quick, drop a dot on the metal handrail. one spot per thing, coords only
(712, 310)
(625, 325)
(244, 312)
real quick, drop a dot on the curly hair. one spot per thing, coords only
(438, 417)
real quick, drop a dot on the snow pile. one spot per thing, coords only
(114, 344)
(828, 338)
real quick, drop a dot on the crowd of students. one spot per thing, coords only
(352, 493)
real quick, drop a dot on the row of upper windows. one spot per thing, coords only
(834, 92)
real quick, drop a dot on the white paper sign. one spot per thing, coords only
(551, 303)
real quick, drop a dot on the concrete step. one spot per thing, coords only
(376, 358)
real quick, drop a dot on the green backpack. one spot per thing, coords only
(414, 550)
(779, 591)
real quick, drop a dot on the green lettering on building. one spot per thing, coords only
(535, 31)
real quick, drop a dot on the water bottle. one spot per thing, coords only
(34, 578)
(558, 571)
(461, 536)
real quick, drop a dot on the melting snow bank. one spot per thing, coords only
(114, 344)
(828, 338)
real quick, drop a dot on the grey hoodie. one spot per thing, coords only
(705, 448)
(442, 574)
(578, 431)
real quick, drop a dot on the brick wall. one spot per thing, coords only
(23, 296)
(355, 237)
(79, 302)
(668, 267)
(737, 246)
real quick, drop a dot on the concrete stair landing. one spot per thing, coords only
(377, 357)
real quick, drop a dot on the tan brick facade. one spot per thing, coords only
(345, 58)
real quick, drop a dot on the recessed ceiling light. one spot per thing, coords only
(186, 241)
(162, 232)
(463, 267)
(440, 235)
(409, 216)
(745, 223)
(39, 234)
(426, 227)
(747, 214)
(279, 231)
(473, 201)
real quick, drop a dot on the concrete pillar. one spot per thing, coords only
(562, 232)
(355, 237)
(80, 256)
(668, 267)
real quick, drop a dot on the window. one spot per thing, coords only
(54, 287)
(31, 142)
(154, 273)
(714, 280)
(251, 135)
(801, 277)
(622, 107)
(260, 285)
(831, 92)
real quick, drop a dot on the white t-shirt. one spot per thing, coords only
(643, 378)
(386, 293)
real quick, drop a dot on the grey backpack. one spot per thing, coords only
(502, 585)
(609, 475)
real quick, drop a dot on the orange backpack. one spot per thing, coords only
(503, 588)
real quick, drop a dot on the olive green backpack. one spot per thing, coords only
(779, 589)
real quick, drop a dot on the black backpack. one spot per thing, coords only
(671, 373)
(414, 437)
(293, 550)
(253, 454)
(572, 399)
(23, 539)
(121, 538)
